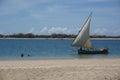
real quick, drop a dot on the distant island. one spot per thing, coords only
(30, 35)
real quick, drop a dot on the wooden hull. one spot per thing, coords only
(101, 51)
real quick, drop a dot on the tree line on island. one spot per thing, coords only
(30, 35)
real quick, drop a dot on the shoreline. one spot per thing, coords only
(72, 69)
(64, 38)
(54, 58)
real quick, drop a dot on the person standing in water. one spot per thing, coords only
(22, 55)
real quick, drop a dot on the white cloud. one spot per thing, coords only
(44, 30)
(100, 31)
(115, 32)
(31, 30)
(57, 30)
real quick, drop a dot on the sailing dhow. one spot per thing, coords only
(83, 40)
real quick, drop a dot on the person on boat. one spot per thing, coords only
(81, 49)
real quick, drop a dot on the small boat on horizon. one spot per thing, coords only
(83, 40)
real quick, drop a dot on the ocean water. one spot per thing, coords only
(52, 48)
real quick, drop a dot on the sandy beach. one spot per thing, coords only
(58, 69)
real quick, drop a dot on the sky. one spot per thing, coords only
(59, 16)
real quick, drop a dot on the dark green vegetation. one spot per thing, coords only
(30, 35)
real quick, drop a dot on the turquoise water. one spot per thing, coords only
(52, 48)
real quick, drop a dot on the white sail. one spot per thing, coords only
(83, 38)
